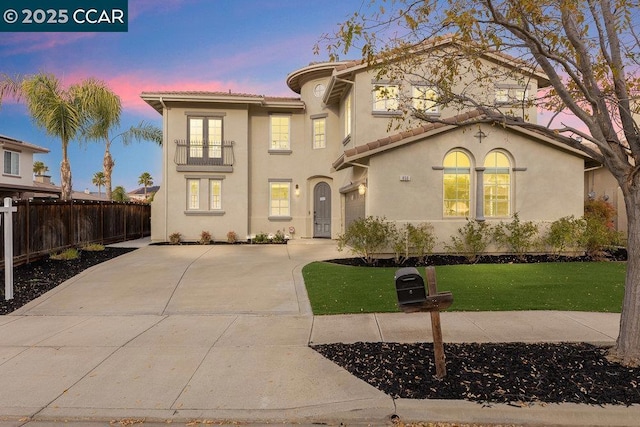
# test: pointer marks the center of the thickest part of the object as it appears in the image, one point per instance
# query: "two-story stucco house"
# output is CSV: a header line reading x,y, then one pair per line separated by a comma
x,y
311,164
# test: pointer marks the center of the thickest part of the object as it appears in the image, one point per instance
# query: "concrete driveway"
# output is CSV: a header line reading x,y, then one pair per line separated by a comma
x,y
176,334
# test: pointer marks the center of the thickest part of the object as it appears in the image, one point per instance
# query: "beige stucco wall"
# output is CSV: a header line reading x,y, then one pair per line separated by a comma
x,y
545,185
169,208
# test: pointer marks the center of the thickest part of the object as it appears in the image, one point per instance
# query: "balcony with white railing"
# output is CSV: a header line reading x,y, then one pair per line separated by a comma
x,y
211,156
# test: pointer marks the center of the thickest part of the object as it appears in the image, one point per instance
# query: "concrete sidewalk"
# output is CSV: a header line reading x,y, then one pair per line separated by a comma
x,y
176,334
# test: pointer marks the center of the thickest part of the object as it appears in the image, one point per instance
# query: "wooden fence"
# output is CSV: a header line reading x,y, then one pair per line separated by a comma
x,y
43,227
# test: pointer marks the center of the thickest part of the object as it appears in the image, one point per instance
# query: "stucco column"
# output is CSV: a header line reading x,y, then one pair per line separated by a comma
x,y
480,194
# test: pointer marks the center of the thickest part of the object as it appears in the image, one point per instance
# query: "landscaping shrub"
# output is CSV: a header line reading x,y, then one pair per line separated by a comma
x,y
472,240
279,237
232,237
205,238
175,238
412,240
366,237
599,232
564,234
516,236
66,255
94,247
260,238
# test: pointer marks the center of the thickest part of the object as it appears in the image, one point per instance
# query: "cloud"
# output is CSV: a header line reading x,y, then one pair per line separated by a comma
x,y
12,44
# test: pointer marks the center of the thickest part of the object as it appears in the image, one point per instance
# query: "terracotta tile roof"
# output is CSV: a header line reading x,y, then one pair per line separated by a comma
x,y
399,137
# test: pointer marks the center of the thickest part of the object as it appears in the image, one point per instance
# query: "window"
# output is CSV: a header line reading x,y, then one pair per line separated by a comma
x,y
215,194
279,199
511,95
497,185
11,163
193,194
385,98
319,133
205,138
424,99
347,116
457,184
280,133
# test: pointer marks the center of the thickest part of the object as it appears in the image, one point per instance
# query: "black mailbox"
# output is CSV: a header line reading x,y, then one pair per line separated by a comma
x,y
410,286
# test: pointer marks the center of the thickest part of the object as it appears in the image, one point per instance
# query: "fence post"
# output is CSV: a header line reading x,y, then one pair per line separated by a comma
x,y
7,212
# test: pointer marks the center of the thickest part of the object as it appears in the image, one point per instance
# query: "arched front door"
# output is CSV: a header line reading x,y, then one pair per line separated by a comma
x,y
322,210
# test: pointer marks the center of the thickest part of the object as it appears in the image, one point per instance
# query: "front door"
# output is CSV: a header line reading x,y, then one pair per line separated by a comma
x,y
322,210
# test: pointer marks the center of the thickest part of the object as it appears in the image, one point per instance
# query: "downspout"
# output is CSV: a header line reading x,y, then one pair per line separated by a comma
x,y
165,150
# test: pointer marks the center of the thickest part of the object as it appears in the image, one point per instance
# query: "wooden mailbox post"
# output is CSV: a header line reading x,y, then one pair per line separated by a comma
x,y
434,302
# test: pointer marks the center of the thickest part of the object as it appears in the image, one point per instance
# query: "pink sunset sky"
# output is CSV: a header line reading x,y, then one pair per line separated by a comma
x,y
244,46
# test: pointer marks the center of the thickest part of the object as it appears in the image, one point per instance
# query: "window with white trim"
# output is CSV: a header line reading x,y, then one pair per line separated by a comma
x,y
511,94
11,162
424,99
385,97
193,194
215,194
497,185
457,185
280,132
319,132
279,198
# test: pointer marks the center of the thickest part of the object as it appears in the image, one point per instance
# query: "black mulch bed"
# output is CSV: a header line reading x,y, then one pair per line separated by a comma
x,y
615,254
36,278
514,373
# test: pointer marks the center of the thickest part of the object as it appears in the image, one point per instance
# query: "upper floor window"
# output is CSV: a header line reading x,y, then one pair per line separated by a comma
x,y
497,185
347,116
319,132
279,198
385,98
511,94
11,162
280,132
205,137
424,99
457,185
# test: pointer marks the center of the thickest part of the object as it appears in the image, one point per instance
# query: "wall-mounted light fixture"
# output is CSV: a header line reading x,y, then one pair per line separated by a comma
x,y
362,189
297,191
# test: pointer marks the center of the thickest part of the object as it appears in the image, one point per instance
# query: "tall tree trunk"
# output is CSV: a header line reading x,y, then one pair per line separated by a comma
x,y
627,348
107,165
65,177
65,174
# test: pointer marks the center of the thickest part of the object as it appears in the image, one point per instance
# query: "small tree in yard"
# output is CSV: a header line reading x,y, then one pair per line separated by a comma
x,y
589,51
366,237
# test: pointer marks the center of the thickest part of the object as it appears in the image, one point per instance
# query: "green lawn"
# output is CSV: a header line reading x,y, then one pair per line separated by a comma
x,y
589,286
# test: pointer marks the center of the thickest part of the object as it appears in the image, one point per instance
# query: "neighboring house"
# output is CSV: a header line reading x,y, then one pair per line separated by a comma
x,y
16,180
310,165
138,194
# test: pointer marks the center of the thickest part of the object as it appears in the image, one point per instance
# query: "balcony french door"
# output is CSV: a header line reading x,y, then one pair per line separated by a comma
x,y
205,140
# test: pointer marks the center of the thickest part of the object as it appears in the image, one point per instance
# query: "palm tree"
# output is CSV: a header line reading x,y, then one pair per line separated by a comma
x,y
145,180
59,112
98,180
119,194
104,115
39,168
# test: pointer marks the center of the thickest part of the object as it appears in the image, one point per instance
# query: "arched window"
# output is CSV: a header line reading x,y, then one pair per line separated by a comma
x,y
457,184
497,185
